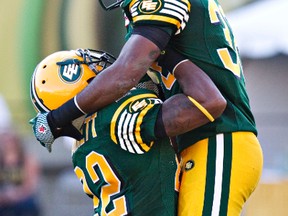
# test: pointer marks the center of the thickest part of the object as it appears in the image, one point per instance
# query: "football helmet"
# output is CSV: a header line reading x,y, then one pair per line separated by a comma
x,y
63,74
110,4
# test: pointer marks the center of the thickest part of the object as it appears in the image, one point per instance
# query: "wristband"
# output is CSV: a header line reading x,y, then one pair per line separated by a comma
x,y
66,113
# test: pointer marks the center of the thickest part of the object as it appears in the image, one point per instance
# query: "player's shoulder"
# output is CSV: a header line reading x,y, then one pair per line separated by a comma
x,y
132,123
175,12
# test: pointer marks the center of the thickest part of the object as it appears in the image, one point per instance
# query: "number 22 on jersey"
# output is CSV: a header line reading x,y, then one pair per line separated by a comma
x,y
109,189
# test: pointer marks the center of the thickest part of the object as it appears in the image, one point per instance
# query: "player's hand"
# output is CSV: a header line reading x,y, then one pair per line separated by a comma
x,y
46,131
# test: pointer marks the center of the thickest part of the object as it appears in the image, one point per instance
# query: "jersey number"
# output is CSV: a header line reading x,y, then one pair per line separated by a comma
x,y
168,80
217,16
109,190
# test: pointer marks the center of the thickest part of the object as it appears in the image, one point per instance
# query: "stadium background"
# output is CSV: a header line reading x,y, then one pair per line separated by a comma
x,y
32,29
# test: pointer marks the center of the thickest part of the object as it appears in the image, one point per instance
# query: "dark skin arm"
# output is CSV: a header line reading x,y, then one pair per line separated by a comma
x,y
131,65
179,114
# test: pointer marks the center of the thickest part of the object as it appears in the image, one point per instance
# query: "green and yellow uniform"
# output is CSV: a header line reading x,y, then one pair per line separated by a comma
x,y
121,165
221,161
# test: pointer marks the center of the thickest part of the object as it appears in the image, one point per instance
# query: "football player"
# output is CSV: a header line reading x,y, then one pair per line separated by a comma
x,y
118,162
122,165
215,178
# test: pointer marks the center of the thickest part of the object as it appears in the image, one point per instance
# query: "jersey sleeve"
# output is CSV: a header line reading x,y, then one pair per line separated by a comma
x,y
164,13
132,125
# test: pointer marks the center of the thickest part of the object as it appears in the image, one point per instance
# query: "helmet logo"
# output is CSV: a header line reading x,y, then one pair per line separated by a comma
x,y
70,72
149,6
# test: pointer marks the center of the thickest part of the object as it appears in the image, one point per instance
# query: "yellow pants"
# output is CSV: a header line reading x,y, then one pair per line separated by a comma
x,y
219,174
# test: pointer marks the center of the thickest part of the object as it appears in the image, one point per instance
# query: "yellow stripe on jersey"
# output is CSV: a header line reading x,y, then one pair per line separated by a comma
x,y
157,18
131,4
116,114
187,3
137,131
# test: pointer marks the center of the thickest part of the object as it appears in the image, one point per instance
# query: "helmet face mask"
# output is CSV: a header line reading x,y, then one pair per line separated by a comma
x,y
62,75
97,60
110,4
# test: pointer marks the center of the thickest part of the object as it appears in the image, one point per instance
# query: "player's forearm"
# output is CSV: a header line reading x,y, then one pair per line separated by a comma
x,y
134,60
200,103
105,89
182,113
179,115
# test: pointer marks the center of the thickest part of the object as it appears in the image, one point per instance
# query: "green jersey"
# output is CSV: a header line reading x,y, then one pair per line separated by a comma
x,y
201,33
121,165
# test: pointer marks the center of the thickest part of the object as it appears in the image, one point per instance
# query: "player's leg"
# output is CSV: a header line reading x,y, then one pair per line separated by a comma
x,y
193,179
219,174
246,170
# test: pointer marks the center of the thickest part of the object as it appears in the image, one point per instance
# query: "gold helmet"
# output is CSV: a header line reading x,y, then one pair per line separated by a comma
x,y
63,74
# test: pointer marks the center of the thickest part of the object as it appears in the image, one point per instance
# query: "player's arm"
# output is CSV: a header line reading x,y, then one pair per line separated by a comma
x,y
132,64
201,102
134,60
